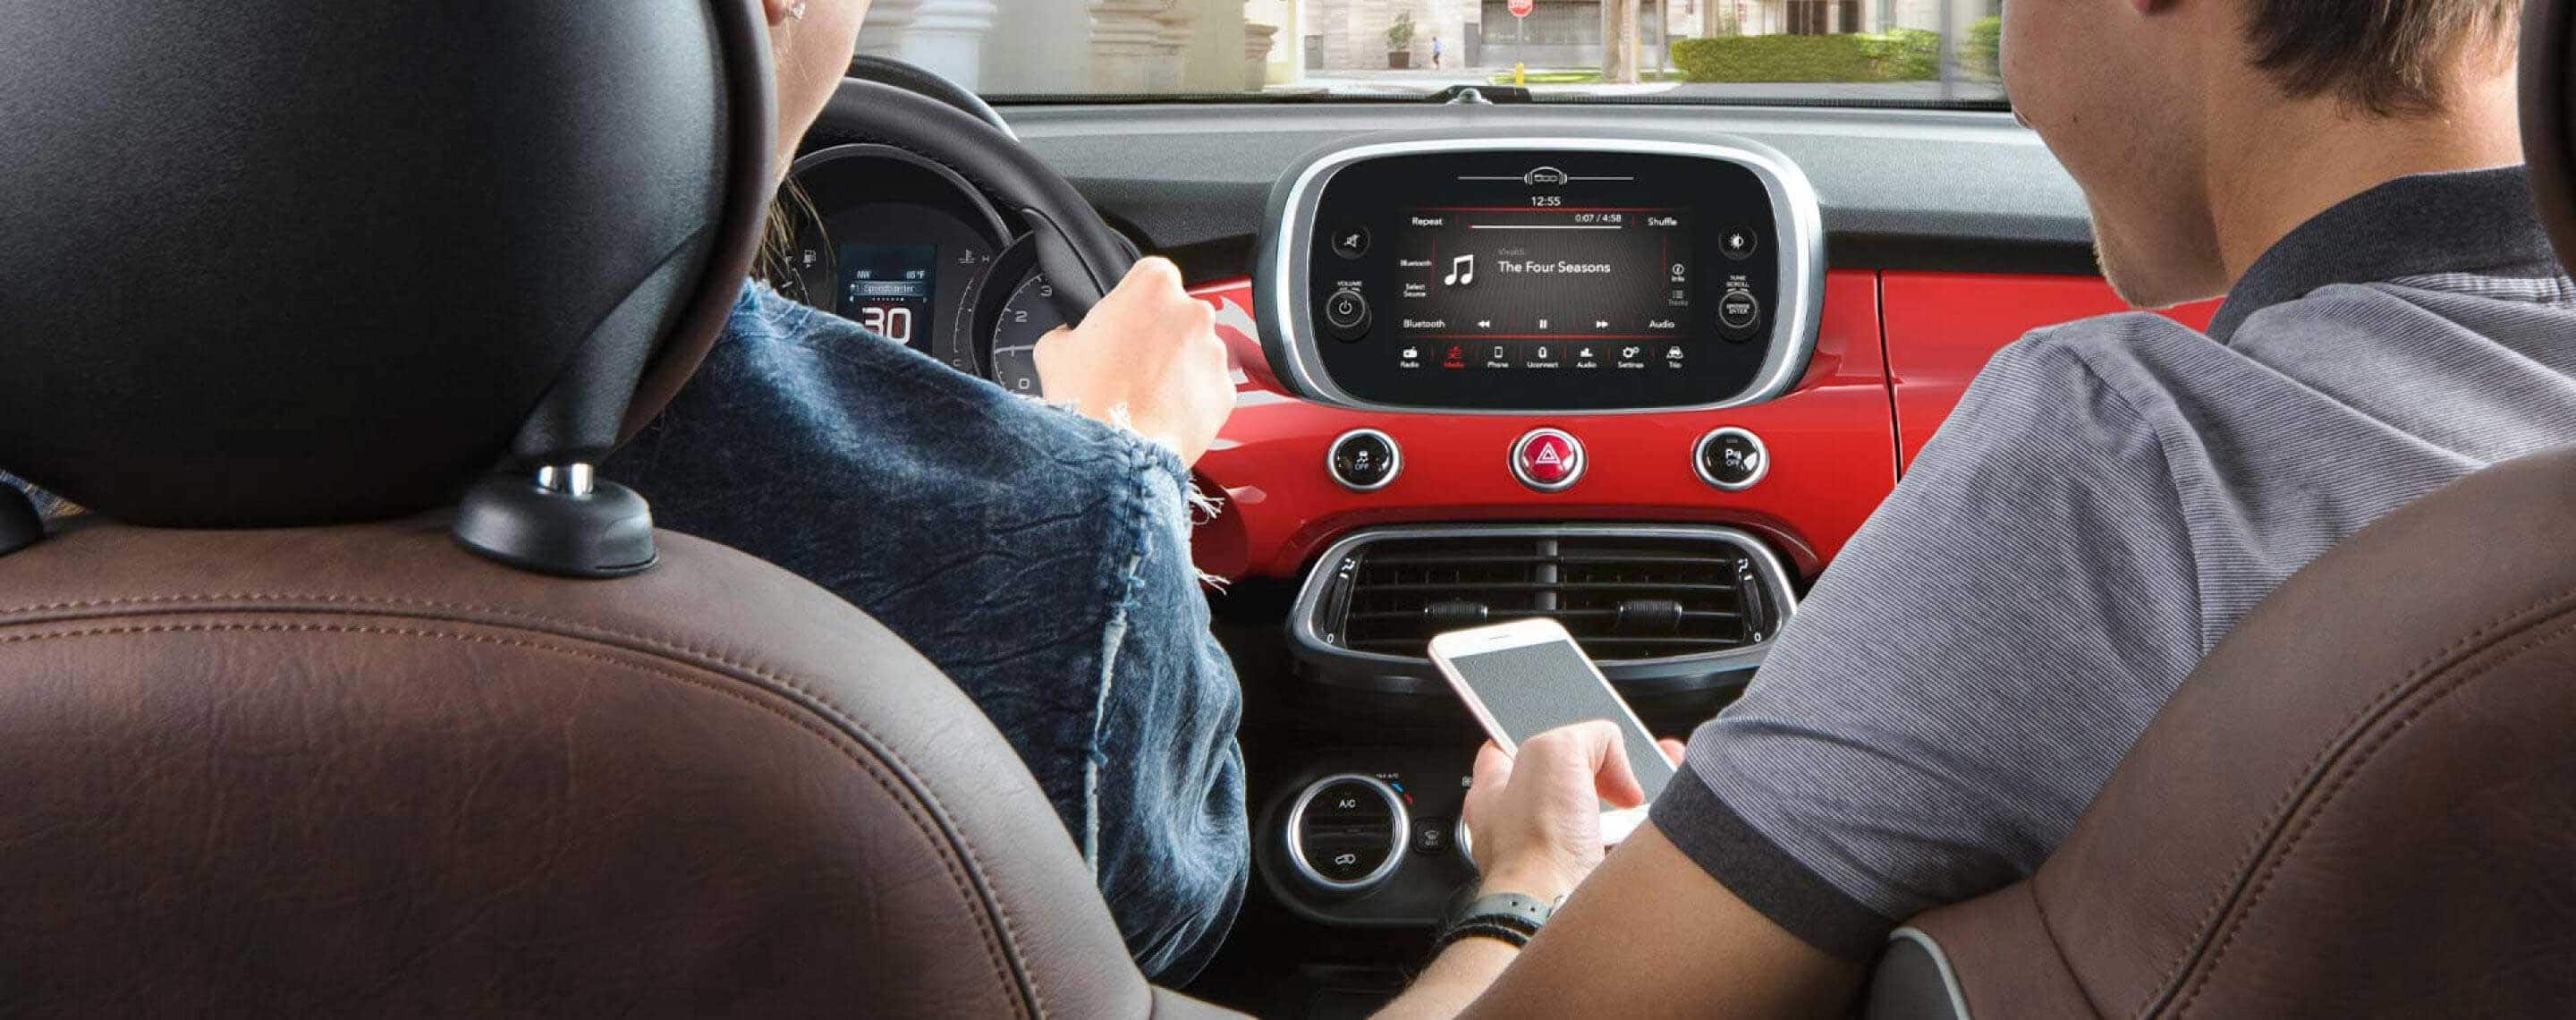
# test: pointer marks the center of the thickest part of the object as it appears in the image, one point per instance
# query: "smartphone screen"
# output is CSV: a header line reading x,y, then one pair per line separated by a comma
x,y
1531,689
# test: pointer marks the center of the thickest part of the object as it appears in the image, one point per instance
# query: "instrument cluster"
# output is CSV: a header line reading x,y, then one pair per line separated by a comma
x,y
914,253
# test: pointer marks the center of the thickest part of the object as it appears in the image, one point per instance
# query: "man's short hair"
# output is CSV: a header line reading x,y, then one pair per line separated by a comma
x,y
2391,57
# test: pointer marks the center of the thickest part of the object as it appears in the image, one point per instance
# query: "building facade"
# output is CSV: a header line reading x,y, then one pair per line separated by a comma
x,y
1007,47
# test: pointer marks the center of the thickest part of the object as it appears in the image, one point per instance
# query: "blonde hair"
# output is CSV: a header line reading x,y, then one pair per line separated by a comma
x,y
778,234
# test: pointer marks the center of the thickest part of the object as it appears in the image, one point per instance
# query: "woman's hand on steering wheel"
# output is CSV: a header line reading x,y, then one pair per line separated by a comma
x,y
1146,359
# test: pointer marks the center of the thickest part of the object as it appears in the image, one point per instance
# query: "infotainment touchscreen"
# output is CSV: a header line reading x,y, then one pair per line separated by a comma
x,y
1543,279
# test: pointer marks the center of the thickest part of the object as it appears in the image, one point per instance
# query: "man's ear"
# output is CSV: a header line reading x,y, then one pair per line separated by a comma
x,y
776,11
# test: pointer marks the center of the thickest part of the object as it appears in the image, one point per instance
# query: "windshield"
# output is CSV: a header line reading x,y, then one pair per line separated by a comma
x,y
1860,52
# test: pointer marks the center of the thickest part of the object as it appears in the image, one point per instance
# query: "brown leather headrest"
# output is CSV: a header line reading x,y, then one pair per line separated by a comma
x,y
2545,85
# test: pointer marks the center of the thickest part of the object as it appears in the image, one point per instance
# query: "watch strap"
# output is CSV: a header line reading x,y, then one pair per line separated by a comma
x,y
1509,936
1523,914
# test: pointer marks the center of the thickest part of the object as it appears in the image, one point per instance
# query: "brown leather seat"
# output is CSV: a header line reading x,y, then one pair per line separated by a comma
x,y
284,281
359,771
2360,804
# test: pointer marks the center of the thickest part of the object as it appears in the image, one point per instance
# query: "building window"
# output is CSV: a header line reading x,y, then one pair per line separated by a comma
x,y
1824,17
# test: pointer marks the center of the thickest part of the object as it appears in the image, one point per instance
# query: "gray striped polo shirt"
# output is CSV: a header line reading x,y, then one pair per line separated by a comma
x,y
2108,500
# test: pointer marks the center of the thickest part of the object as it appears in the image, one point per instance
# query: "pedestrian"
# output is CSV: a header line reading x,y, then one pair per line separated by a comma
x,y
1435,50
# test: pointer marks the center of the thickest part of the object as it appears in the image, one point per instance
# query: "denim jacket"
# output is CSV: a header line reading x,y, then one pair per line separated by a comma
x,y
1040,558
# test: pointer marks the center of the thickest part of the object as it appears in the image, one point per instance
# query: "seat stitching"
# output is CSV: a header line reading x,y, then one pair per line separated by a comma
x,y
2048,933
2325,798
958,881
1010,925
2173,969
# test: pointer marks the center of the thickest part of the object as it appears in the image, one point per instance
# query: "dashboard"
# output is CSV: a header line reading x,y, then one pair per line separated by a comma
x,y
1641,370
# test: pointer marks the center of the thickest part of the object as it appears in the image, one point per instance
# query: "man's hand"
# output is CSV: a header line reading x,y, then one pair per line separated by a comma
x,y
1146,358
1650,935
1536,818
1536,822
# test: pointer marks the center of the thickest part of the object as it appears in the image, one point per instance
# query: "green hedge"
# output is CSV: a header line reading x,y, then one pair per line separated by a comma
x,y
1906,54
1983,52
1901,55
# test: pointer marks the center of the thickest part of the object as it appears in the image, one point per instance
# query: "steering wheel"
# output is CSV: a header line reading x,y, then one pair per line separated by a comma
x,y
1081,256
901,74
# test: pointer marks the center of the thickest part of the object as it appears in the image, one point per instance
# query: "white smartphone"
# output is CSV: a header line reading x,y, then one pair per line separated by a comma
x,y
1527,677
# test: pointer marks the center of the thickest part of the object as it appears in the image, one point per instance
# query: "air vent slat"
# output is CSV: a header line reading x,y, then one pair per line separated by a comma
x,y
1440,559
1369,587
1451,559
1419,648
1565,616
1598,641
1624,596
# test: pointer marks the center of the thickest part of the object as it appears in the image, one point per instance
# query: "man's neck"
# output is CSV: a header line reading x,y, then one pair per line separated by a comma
x,y
2272,164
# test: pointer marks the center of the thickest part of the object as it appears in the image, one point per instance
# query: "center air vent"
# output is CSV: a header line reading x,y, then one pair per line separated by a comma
x,y
1625,593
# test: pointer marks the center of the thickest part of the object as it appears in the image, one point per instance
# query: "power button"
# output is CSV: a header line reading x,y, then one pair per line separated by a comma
x,y
1347,313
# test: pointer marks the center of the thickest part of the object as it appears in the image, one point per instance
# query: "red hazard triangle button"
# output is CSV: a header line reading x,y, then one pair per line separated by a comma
x,y
1548,460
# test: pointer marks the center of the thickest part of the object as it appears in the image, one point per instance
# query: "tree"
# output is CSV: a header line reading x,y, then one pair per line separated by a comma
x,y
1619,35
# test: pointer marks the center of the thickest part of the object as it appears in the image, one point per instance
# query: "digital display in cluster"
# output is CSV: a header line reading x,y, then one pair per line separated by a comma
x,y
890,289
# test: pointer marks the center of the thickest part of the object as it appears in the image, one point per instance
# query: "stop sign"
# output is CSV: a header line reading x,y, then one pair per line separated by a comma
x,y
1522,8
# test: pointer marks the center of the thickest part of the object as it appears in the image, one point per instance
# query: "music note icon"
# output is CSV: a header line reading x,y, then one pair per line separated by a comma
x,y
1462,272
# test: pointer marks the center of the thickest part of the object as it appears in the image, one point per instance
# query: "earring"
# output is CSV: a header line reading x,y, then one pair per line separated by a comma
x,y
797,10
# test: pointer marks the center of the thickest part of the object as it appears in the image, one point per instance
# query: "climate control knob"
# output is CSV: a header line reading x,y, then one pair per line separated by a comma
x,y
1346,833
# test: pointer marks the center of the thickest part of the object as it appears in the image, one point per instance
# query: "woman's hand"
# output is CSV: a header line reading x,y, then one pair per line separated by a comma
x,y
1147,359
1536,817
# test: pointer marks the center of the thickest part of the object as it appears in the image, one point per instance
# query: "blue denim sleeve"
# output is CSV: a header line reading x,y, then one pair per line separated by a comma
x,y
1040,558
46,503
1166,774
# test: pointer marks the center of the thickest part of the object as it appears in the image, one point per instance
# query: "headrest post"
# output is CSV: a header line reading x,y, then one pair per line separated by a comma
x,y
563,521
569,480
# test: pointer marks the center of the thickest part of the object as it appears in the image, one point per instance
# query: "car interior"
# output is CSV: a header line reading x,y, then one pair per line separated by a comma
x,y
278,743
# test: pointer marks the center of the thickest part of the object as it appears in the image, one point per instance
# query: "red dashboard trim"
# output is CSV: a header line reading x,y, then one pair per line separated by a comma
x,y
1894,351
1831,443
1942,328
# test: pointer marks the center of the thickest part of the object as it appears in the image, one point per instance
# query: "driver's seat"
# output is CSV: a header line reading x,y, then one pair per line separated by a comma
x,y
279,736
